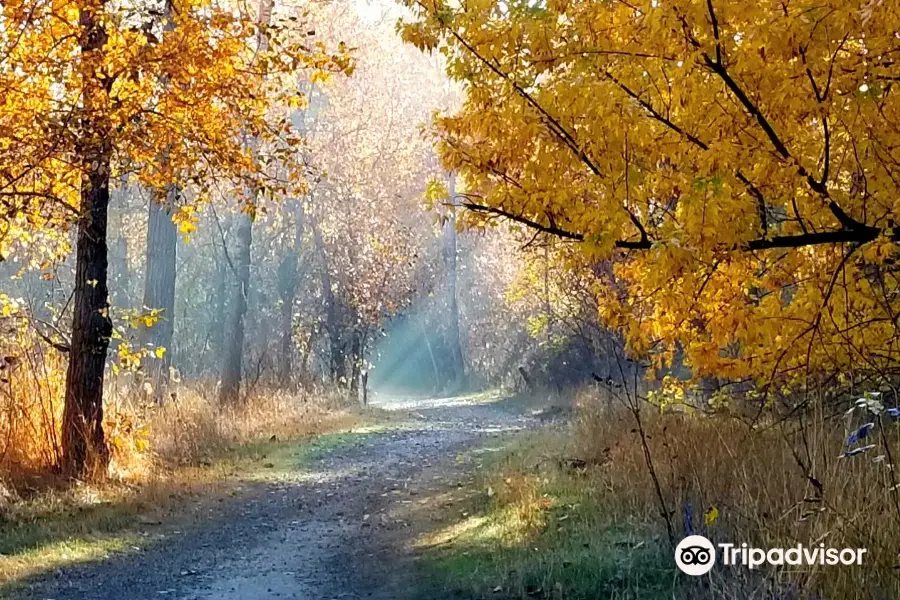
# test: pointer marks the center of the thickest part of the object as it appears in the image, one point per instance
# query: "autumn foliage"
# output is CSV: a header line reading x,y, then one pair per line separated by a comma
x,y
735,163
97,91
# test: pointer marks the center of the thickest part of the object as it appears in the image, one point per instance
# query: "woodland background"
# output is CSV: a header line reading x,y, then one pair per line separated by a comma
x,y
228,222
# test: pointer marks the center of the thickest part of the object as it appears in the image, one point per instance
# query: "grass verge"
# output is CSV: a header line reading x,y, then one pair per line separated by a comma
x,y
64,525
538,529
574,513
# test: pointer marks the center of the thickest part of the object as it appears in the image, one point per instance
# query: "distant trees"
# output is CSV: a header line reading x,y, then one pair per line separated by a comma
x,y
159,280
330,263
161,244
97,93
457,363
281,236
364,213
288,282
234,325
230,390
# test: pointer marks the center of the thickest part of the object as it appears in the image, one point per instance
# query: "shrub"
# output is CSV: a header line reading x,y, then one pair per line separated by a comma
x,y
794,480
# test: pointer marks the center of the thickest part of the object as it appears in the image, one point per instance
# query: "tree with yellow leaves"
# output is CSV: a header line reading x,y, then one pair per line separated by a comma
x,y
737,162
96,90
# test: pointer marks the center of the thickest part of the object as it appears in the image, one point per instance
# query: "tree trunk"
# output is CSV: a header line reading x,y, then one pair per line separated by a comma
x,y
355,364
287,289
450,251
230,392
234,347
159,273
304,356
287,271
338,364
217,336
434,365
84,445
365,389
337,370
159,283
119,275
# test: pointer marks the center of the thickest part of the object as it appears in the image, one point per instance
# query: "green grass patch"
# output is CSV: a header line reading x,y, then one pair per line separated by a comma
x,y
536,530
66,529
71,527
287,457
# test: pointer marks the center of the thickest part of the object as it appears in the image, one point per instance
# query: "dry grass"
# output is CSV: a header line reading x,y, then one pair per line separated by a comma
x,y
32,385
531,528
572,513
193,428
753,479
143,437
163,459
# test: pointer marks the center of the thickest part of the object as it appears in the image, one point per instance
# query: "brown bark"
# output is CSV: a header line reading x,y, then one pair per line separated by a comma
x,y
84,444
529,385
338,365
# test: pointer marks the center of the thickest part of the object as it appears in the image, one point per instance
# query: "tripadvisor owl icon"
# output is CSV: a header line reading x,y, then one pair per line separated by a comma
x,y
695,555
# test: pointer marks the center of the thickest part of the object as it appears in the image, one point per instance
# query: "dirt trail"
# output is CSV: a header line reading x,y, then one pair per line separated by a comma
x,y
337,529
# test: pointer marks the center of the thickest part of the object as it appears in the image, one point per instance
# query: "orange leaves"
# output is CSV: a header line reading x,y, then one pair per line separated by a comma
x,y
175,97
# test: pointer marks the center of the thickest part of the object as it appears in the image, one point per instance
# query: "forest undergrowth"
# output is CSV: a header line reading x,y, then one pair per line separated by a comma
x,y
572,512
162,458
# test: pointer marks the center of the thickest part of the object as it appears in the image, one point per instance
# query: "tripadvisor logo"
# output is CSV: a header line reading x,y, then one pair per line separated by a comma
x,y
696,555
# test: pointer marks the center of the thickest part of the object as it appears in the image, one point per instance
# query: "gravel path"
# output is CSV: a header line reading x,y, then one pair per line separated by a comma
x,y
340,528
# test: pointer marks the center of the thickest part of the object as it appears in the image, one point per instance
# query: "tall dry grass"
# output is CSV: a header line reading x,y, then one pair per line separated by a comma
x,y
32,388
773,486
193,427
145,440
